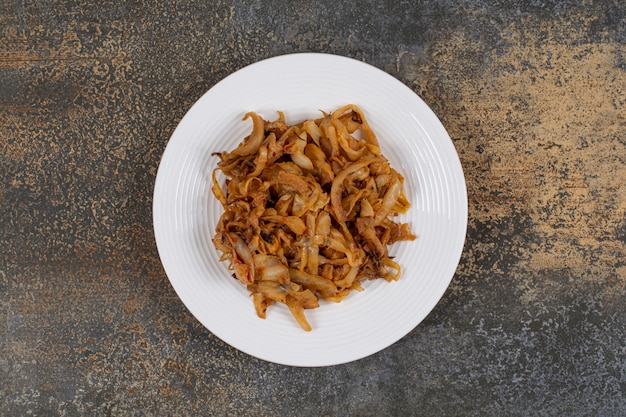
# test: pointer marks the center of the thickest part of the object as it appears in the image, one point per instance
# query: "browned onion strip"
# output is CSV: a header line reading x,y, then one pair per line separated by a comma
x,y
337,187
308,210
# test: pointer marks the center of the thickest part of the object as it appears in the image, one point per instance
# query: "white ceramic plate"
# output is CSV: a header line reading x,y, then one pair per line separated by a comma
x,y
411,137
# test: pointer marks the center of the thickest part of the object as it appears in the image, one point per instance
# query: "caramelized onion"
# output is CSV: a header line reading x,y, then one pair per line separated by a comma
x,y
308,210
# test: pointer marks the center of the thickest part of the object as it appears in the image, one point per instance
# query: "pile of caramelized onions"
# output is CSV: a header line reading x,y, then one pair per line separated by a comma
x,y
308,210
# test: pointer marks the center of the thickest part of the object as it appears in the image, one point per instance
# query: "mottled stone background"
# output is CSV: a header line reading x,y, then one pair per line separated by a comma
x,y
533,94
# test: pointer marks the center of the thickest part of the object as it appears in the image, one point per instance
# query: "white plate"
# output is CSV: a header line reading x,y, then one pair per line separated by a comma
x,y
411,137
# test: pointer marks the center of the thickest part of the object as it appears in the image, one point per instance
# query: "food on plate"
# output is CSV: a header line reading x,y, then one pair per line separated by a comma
x,y
308,210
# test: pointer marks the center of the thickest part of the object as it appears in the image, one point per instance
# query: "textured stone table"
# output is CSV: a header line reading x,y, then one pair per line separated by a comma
x,y
533,95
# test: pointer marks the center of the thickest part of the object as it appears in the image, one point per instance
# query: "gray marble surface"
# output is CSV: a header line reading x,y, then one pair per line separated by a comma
x,y
533,94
